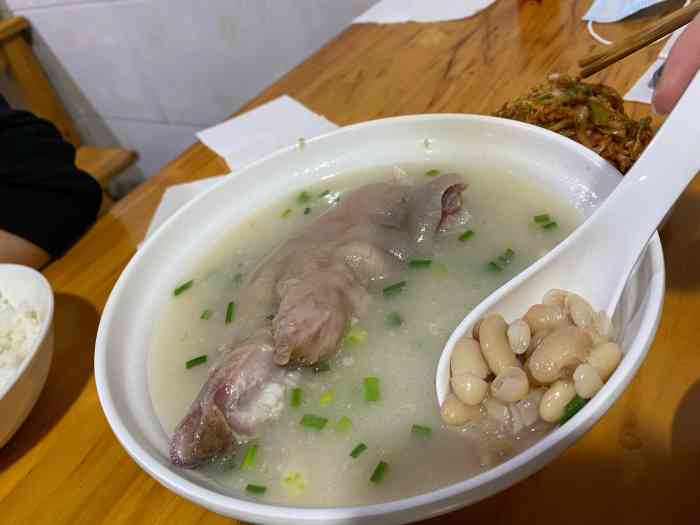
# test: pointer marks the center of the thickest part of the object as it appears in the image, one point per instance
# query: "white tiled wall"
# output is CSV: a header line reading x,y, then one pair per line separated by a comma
x,y
147,74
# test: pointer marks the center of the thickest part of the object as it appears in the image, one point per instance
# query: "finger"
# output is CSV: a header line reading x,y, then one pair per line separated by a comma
x,y
682,65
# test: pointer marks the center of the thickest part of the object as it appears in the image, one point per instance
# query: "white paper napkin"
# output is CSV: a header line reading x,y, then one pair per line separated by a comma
x,y
243,139
642,90
175,197
393,11
267,128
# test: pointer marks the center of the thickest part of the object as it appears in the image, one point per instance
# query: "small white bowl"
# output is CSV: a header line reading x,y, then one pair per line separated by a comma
x,y
484,144
17,398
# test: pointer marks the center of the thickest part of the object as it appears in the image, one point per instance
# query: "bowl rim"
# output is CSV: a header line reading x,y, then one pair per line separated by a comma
x,y
43,329
578,425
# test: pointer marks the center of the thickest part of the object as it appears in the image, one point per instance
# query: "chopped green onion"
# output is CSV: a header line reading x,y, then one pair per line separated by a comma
x,y
301,141
343,424
394,289
303,197
286,213
599,114
296,397
238,278
539,219
359,449
256,489
294,481
432,173
206,315
379,472
356,335
507,257
196,361
307,211
394,319
572,407
324,193
466,235
420,263
314,422
183,287
371,387
249,458
422,431
493,267
550,225
326,398
323,366
230,312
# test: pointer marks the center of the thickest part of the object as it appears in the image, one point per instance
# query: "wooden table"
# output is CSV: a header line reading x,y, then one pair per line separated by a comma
x,y
637,465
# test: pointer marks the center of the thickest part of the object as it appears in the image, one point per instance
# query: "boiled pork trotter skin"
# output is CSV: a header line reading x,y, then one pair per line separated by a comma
x,y
296,306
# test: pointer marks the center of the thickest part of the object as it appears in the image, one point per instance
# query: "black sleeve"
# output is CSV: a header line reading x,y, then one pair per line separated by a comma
x,y
44,198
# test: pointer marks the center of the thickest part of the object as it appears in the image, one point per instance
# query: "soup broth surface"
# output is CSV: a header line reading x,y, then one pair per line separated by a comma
x,y
303,467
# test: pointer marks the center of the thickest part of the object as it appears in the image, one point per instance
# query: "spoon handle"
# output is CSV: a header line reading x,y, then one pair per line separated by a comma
x,y
632,213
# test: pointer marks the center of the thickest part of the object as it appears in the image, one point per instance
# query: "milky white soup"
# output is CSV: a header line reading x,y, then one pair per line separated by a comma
x,y
399,343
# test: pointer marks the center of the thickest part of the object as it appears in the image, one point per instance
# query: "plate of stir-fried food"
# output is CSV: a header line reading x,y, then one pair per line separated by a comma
x,y
591,114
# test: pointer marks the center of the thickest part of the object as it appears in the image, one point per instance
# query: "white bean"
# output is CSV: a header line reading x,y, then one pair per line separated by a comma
x,y
604,359
494,344
587,381
454,412
555,400
542,317
469,388
603,325
475,329
579,310
519,336
497,410
529,407
595,337
510,385
467,358
555,297
559,353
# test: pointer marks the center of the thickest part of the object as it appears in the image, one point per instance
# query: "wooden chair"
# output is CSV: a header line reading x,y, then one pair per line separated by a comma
x,y
17,58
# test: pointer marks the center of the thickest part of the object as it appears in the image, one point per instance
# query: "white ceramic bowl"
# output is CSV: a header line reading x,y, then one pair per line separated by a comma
x,y
17,398
481,143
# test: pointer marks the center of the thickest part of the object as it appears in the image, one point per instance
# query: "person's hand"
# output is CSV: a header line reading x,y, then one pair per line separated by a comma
x,y
682,65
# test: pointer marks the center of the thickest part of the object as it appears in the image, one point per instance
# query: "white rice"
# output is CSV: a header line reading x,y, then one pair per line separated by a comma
x,y
19,327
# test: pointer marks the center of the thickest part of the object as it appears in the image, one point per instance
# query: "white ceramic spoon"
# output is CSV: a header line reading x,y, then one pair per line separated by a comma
x,y
598,257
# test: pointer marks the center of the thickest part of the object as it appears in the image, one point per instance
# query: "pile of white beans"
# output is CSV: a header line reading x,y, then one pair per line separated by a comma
x,y
530,369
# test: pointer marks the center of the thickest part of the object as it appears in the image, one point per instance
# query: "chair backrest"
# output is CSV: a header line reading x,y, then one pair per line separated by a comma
x,y
17,57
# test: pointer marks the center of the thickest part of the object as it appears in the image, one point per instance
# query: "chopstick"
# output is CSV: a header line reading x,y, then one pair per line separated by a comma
x,y
666,25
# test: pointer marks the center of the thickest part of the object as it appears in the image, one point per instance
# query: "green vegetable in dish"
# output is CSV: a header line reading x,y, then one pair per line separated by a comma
x,y
183,287
394,319
466,235
379,471
394,289
359,449
371,388
420,263
343,424
572,407
421,431
313,422
230,312
196,361
295,400
249,457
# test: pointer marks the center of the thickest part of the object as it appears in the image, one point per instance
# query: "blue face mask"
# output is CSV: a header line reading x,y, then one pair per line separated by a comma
x,y
614,10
